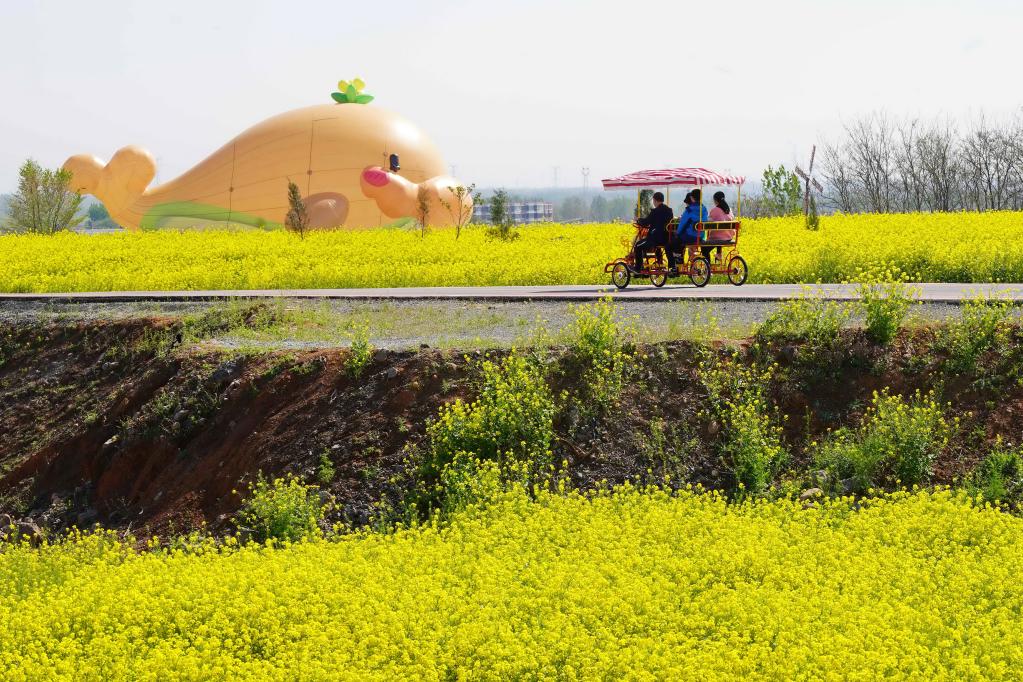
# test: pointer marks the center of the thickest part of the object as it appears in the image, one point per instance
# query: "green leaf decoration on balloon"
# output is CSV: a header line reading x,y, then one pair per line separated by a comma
x,y
351,92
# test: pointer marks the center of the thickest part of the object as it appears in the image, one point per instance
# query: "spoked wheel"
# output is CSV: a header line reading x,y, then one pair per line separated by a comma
x,y
737,270
620,275
659,279
699,271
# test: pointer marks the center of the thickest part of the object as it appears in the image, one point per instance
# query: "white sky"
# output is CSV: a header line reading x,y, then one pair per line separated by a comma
x,y
508,89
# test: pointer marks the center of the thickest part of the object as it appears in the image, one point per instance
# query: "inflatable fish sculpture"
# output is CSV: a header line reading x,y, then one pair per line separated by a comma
x,y
355,166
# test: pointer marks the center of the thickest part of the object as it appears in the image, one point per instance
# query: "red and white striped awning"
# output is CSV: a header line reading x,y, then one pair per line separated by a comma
x,y
670,177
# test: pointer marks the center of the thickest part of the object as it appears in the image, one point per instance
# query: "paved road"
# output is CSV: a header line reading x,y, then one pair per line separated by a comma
x,y
938,293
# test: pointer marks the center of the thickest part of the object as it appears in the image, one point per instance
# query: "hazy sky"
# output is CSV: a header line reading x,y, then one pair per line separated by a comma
x,y
508,90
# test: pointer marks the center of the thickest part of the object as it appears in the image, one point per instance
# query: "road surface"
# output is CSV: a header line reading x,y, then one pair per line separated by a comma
x,y
936,293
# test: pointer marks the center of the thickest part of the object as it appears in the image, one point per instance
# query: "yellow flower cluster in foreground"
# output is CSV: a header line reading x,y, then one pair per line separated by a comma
x,y
955,247
638,585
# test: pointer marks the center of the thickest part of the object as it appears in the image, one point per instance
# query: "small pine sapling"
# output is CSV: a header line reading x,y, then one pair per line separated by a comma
x,y
297,219
422,209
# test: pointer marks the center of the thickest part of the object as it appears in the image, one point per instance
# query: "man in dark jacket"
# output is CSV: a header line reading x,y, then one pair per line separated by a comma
x,y
657,223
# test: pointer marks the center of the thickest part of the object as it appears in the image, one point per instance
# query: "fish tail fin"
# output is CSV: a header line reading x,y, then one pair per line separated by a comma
x,y
118,184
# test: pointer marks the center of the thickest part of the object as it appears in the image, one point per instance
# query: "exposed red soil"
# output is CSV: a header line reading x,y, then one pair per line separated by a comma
x,y
77,428
95,427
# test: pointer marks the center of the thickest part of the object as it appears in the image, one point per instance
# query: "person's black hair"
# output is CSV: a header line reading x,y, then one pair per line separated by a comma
x,y
689,198
720,198
658,197
696,195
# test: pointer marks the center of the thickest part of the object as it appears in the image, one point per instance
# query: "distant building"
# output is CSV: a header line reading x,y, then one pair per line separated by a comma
x,y
518,212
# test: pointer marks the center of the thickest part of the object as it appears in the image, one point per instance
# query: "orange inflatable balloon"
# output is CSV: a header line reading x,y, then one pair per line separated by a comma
x,y
339,155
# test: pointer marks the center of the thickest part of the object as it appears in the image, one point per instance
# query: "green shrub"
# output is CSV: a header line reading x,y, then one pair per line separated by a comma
x,y
999,476
895,444
751,439
885,299
284,509
326,471
983,325
601,350
809,318
222,318
511,423
360,350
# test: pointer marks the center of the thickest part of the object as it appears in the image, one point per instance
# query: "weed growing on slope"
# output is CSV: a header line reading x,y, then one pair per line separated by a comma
x,y
895,444
999,476
983,325
601,352
176,410
154,342
360,350
751,438
326,470
885,298
510,423
667,447
282,509
224,317
809,318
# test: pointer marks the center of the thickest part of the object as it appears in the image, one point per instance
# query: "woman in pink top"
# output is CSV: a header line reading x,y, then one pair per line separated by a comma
x,y
720,213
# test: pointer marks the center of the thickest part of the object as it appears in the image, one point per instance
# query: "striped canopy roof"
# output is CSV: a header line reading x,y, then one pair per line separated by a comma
x,y
672,176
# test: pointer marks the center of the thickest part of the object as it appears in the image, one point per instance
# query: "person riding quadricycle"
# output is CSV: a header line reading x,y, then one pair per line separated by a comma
x,y
692,245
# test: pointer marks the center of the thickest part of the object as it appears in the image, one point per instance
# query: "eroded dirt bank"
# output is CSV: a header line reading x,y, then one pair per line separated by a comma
x,y
117,423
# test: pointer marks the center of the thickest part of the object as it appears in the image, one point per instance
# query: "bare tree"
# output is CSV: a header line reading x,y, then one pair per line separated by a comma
x,y
839,187
871,150
1015,150
907,162
939,159
461,208
752,206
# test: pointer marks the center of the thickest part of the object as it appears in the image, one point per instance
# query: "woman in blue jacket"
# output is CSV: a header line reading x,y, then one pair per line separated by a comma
x,y
694,213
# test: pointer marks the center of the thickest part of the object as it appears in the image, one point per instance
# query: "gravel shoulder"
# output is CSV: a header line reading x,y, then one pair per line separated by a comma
x,y
400,324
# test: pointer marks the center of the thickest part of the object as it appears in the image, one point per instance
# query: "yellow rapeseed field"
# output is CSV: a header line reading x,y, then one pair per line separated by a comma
x,y
953,247
631,585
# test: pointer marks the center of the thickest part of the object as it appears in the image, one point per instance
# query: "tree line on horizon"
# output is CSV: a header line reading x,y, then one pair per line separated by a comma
x,y
883,164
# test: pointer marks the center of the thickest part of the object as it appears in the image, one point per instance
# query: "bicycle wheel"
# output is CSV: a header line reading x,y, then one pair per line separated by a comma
x,y
699,271
737,270
620,275
659,280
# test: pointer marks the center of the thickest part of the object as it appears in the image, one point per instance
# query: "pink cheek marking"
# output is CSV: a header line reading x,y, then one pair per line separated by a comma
x,y
375,177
